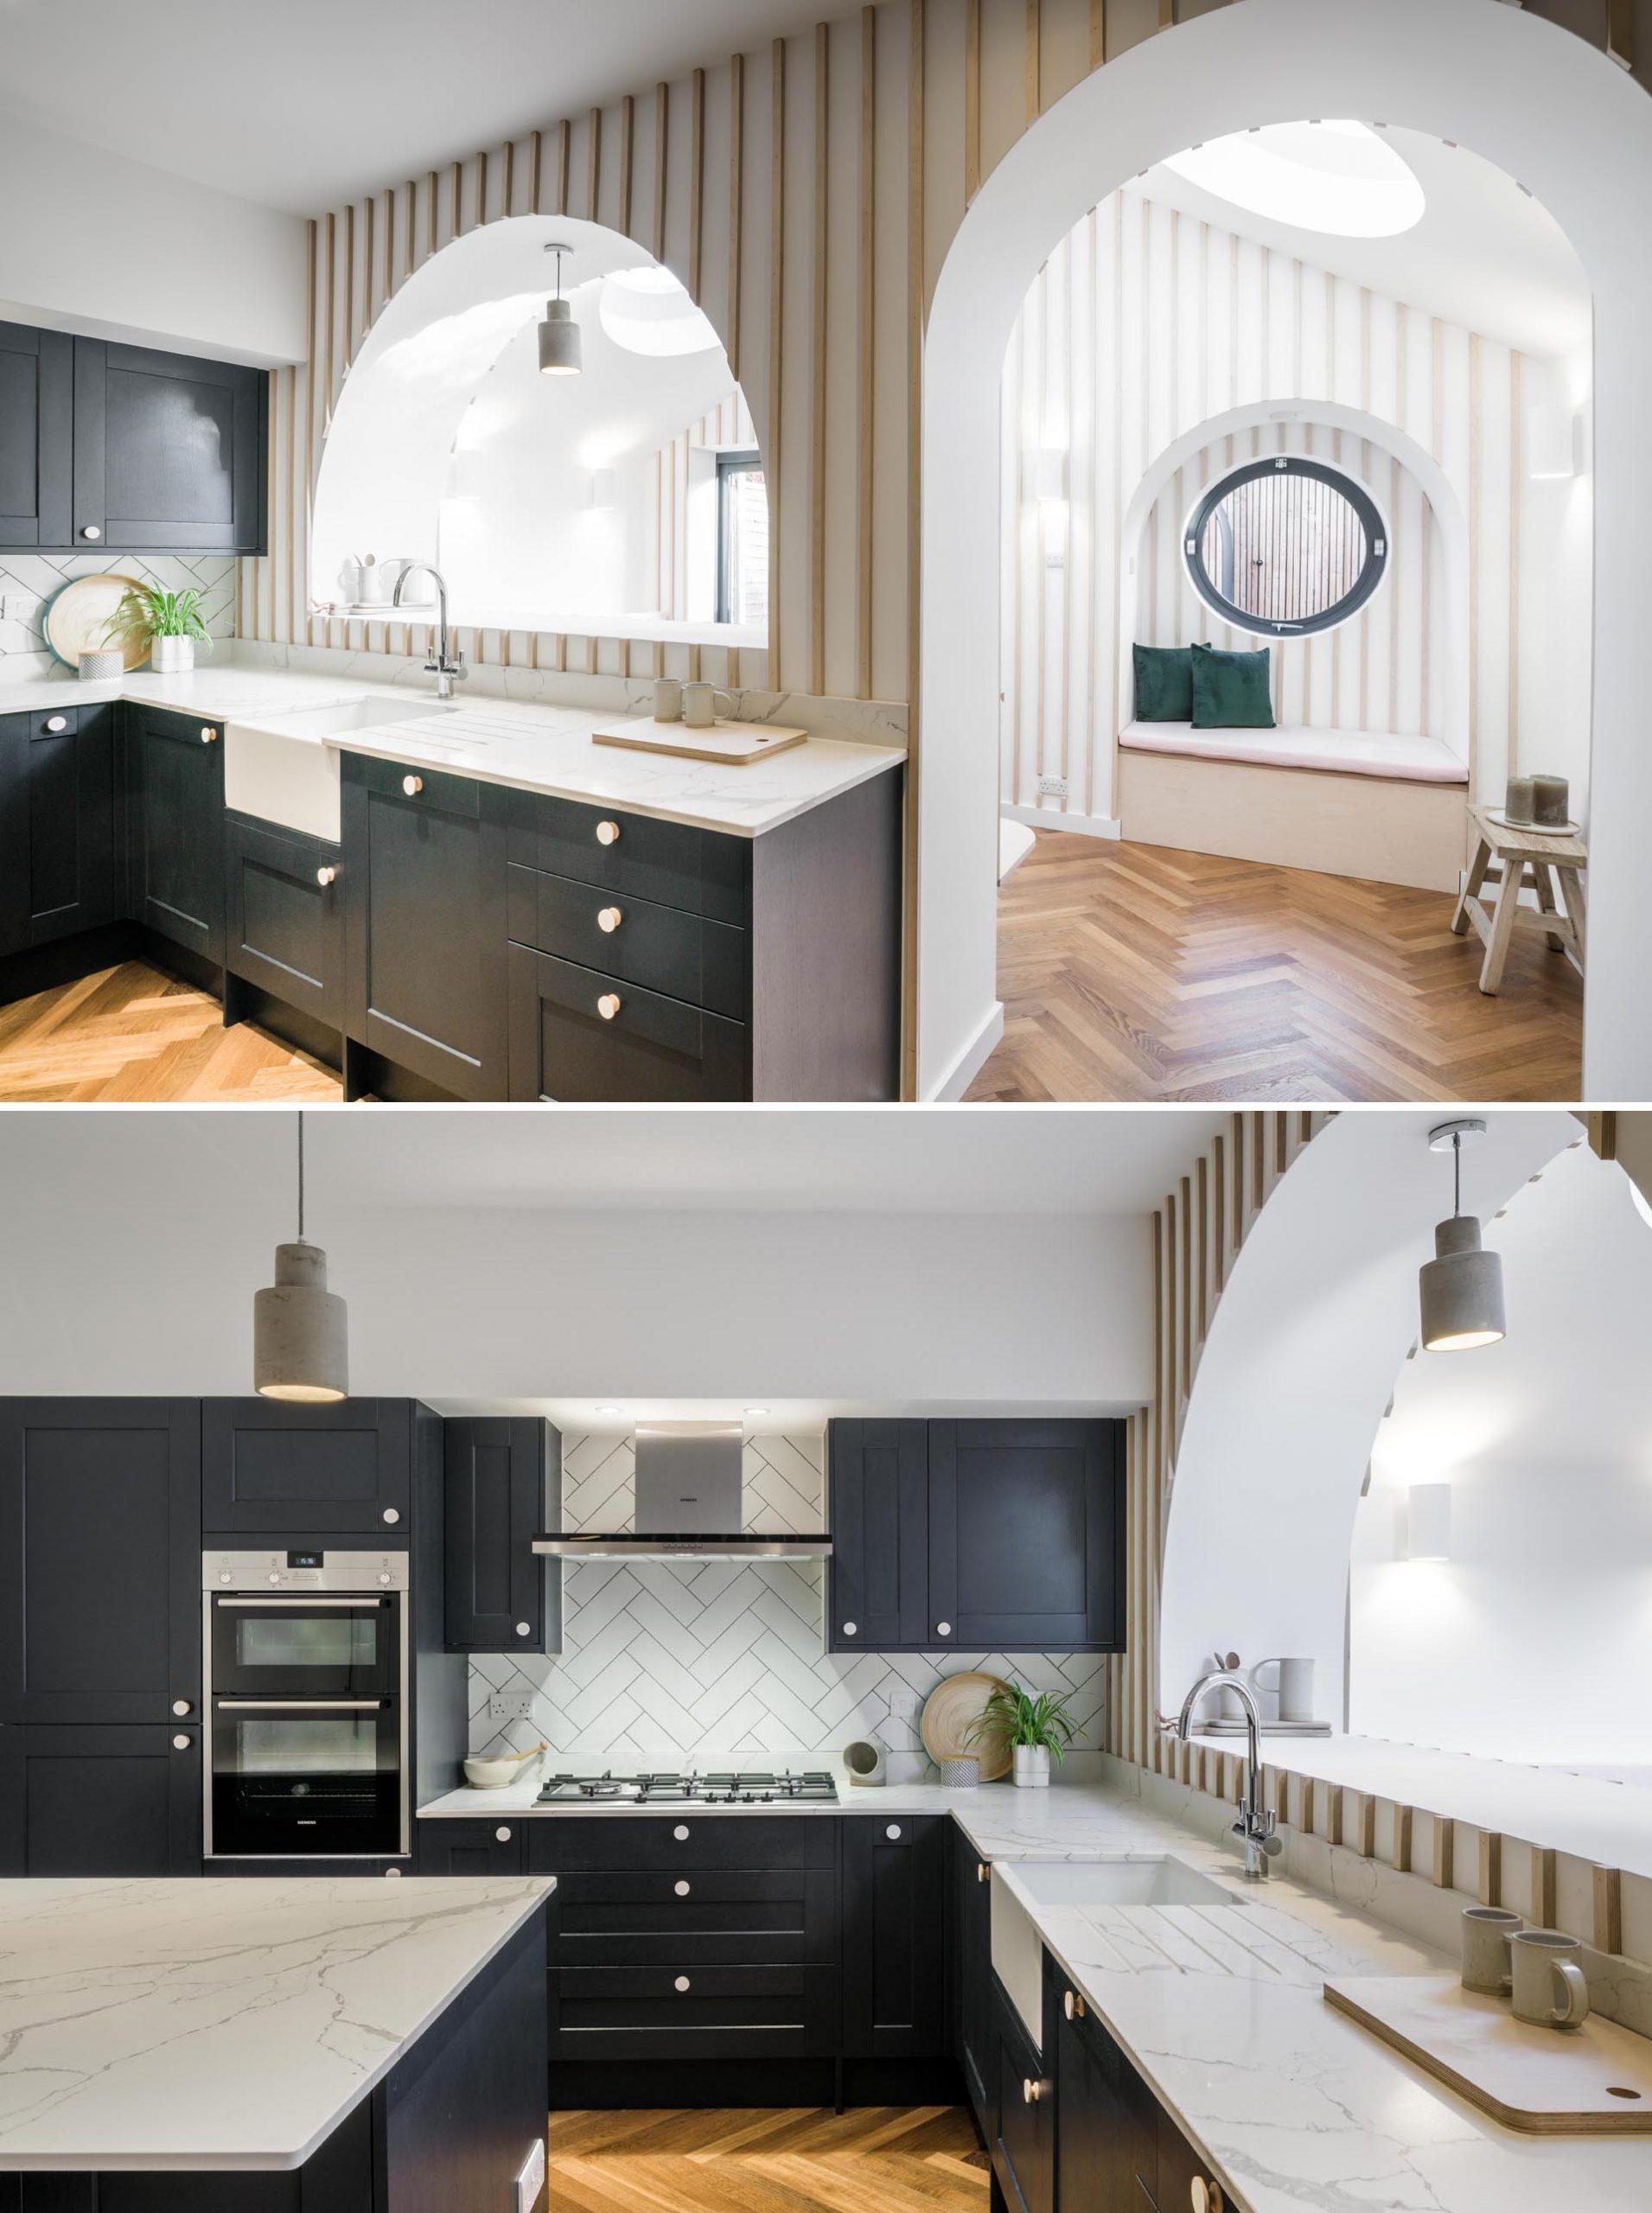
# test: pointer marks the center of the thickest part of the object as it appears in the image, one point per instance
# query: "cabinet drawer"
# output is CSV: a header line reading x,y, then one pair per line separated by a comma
x,y
432,788
54,722
479,1847
284,926
782,2011
626,1917
702,872
649,1050
662,948
271,1468
697,1839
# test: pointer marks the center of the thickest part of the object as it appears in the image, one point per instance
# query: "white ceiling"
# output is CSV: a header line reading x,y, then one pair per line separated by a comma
x,y
1485,256
308,103
1035,1161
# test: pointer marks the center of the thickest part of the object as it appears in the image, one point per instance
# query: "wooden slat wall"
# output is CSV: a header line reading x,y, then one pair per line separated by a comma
x,y
1197,1235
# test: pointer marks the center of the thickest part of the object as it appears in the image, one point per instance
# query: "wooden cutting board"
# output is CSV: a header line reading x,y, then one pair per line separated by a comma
x,y
954,1704
731,745
1591,2081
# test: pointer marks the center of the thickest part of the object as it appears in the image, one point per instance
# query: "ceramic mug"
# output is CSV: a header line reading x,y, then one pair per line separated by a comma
x,y
1546,1976
1486,1933
699,704
1293,1686
667,700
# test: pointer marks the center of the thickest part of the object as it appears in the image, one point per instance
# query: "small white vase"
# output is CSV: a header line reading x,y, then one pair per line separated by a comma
x,y
1031,1767
171,656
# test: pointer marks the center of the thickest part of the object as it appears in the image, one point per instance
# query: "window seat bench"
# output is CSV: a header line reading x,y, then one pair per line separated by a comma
x,y
1349,753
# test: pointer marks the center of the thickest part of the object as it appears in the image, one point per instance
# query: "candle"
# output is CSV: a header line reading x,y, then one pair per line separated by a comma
x,y
1517,806
1550,802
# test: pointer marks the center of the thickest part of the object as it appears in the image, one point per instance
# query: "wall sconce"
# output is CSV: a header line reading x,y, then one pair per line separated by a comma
x,y
602,488
1428,1521
1553,442
1049,487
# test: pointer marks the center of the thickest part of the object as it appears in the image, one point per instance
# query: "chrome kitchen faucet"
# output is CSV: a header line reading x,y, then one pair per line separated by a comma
x,y
1254,1828
446,668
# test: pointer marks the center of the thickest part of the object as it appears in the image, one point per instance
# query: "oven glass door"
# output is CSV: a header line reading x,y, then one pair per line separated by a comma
x,y
311,1647
318,1777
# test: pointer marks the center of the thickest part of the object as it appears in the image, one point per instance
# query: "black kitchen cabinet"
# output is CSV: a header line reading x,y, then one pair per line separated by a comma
x,y
976,1536
1026,1535
503,1485
57,823
424,898
894,1936
467,1847
1106,2120
970,1966
878,1510
284,918
1022,2143
100,1561
1184,2182
36,436
170,452
86,1800
175,828
271,1468
581,1036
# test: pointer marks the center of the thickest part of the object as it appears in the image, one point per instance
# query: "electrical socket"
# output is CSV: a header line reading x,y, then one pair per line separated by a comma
x,y
905,1704
511,1706
1052,787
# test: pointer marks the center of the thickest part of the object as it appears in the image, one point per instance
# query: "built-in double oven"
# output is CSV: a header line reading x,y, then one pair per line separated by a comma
x,y
306,1702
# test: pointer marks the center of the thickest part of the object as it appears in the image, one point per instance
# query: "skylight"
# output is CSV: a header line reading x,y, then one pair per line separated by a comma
x,y
1339,178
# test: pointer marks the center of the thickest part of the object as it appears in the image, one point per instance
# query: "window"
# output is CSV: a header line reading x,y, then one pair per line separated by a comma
x,y
1286,546
742,540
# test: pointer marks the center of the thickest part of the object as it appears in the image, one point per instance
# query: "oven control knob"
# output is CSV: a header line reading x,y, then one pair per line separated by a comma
x,y
393,1514
383,1578
181,1707
180,1743
680,1832
273,1576
503,1835
224,1576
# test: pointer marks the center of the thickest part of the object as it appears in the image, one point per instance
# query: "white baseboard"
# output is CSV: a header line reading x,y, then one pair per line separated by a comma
x,y
973,1058
1048,818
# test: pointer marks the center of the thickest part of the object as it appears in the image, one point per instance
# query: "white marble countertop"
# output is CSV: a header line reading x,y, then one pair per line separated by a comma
x,y
1220,2009
526,744
222,2024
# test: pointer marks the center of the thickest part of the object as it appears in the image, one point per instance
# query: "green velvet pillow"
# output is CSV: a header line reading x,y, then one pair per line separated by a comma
x,y
1164,684
1230,691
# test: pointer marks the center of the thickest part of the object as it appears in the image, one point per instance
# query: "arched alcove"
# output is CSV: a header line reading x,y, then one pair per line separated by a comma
x,y
1523,95
585,503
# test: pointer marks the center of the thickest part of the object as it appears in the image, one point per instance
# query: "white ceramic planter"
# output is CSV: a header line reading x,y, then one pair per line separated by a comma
x,y
1032,1768
171,656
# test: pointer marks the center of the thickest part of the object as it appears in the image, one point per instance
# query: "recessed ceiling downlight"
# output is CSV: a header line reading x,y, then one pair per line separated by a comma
x,y
646,311
1339,178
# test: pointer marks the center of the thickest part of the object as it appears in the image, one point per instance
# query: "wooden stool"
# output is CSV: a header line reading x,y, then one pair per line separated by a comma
x,y
1511,858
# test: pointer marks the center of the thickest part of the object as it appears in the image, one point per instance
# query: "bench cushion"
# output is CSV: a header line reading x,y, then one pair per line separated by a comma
x,y
1349,752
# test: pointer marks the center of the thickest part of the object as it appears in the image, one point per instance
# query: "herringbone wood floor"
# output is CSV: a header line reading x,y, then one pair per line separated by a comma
x,y
873,2159
1135,972
131,1033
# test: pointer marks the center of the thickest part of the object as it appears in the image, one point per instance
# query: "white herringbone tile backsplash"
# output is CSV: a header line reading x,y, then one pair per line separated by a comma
x,y
28,581
666,1662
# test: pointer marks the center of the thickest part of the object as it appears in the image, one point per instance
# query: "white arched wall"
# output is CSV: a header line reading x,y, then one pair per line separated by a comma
x,y
1313,1324
1531,98
1324,414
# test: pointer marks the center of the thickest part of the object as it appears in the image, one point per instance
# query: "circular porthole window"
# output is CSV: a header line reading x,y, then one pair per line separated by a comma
x,y
1285,546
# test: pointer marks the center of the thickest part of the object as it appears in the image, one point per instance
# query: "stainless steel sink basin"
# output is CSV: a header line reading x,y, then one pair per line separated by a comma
x,y
279,767
1122,1882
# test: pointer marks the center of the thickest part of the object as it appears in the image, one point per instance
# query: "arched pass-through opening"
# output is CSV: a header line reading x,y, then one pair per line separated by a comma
x,y
1532,100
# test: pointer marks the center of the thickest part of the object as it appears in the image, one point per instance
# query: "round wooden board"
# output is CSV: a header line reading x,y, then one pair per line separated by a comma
x,y
949,1712
75,617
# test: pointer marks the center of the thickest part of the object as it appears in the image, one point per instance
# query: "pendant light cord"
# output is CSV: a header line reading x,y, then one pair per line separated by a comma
x,y
1457,1172
301,1176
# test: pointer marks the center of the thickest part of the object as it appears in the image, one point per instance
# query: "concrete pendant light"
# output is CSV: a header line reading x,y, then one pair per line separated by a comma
x,y
1461,1286
560,340
299,1325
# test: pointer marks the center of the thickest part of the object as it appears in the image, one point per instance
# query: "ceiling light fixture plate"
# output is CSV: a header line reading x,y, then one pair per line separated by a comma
x,y
1444,1134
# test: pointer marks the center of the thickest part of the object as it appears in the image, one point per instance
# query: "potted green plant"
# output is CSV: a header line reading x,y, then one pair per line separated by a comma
x,y
170,623
1038,1728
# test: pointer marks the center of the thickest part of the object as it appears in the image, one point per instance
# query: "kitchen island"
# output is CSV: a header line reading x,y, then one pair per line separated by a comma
x,y
340,2046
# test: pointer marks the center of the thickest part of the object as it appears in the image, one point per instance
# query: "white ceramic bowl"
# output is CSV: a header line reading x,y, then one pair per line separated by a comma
x,y
493,1775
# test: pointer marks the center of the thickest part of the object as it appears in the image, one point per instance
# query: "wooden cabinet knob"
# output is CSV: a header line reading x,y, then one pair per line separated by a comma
x,y
681,1889
392,1871
681,1983
607,833
180,1743
412,786
181,1707
55,723
680,1832
524,1629
893,1832
326,875
208,735
393,1514
503,1835
1203,2196
943,1629
1073,2005
1033,2093
608,1005
609,919
91,530
983,1871
851,1628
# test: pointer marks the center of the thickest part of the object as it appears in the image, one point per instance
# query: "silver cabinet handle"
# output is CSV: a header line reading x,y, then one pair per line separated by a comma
x,y
180,1744
327,875
91,530
681,1889
208,735
524,1629
412,786
943,1629
680,1832
393,1514
608,1005
55,723
893,1832
851,1628
607,833
300,1705
681,1983
503,1835
609,919
1073,2005
224,1604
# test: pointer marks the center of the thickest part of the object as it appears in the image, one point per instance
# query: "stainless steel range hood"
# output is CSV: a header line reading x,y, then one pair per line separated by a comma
x,y
688,1503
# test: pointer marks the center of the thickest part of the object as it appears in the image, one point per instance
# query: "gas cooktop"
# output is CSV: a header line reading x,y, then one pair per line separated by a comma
x,y
745,1787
